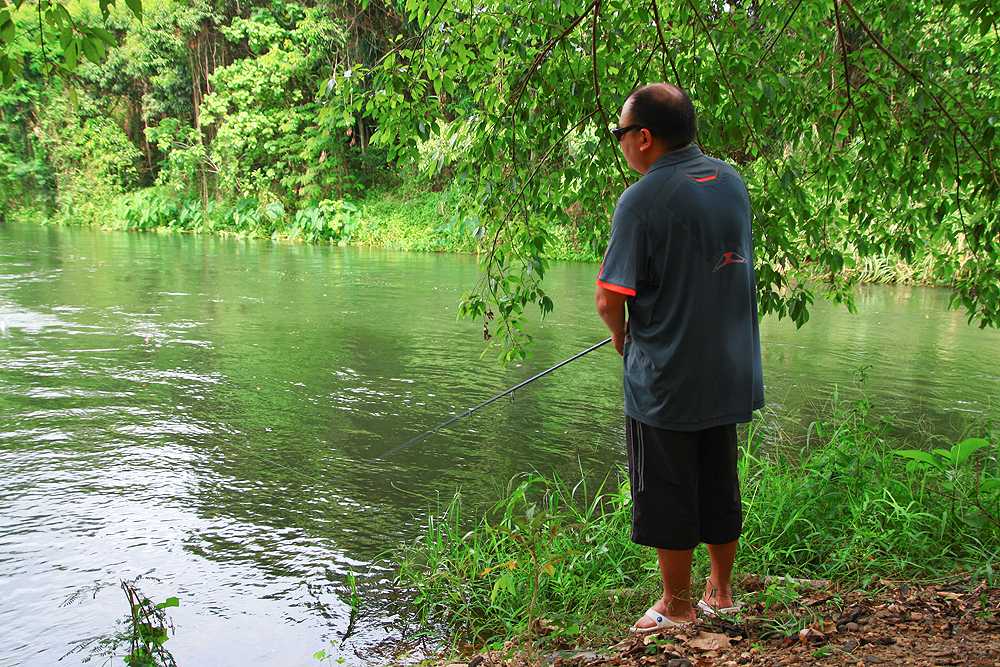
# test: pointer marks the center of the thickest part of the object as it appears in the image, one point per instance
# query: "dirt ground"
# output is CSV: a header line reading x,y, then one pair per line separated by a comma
x,y
898,624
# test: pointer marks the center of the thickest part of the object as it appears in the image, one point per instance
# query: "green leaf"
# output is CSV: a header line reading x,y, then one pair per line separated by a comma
x,y
90,50
169,602
7,30
917,455
136,7
963,450
104,35
71,54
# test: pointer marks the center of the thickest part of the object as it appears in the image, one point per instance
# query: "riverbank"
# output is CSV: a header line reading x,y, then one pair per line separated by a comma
x,y
550,568
407,217
394,218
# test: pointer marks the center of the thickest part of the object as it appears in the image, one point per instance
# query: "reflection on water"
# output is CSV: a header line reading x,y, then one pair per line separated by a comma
x,y
210,412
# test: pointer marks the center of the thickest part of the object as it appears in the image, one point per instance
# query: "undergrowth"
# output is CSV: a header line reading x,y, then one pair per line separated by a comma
x,y
849,506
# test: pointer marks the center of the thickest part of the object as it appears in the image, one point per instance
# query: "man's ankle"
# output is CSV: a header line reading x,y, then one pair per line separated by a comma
x,y
679,609
715,593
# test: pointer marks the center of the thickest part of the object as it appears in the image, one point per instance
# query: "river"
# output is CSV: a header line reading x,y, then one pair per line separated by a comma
x,y
209,412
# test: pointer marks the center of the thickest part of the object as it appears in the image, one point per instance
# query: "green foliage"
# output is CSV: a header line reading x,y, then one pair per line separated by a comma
x,y
409,219
52,22
840,507
267,139
329,220
93,160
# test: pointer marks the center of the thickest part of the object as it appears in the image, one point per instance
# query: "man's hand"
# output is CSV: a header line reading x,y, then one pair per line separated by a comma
x,y
611,308
618,340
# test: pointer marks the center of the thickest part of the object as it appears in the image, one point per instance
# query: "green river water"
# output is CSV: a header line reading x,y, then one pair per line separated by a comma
x,y
209,412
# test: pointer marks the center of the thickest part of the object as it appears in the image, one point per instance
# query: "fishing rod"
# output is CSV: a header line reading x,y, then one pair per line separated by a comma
x,y
412,441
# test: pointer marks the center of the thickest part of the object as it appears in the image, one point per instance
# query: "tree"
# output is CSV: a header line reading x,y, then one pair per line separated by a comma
x,y
861,129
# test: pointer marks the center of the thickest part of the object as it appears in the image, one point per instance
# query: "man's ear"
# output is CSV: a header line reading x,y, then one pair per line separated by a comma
x,y
647,139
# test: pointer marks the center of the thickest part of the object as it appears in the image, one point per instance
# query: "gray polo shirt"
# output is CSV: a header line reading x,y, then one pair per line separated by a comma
x,y
682,251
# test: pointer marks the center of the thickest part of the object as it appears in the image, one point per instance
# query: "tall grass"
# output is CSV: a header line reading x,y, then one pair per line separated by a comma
x,y
845,506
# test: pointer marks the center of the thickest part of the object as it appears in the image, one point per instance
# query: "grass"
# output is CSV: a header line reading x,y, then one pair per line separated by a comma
x,y
845,506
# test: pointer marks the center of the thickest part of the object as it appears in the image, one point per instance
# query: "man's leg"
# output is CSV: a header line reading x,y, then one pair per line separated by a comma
x,y
675,571
675,568
718,590
721,512
663,469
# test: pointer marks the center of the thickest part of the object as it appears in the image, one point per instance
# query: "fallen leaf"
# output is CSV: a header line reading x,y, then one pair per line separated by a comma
x,y
709,641
811,634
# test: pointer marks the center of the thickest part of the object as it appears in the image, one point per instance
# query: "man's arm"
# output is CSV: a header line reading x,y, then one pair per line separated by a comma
x,y
611,308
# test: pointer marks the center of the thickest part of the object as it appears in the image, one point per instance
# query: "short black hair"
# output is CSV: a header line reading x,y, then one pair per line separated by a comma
x,y
666,111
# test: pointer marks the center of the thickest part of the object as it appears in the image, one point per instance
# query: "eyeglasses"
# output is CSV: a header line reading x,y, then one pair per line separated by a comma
x,y
620,132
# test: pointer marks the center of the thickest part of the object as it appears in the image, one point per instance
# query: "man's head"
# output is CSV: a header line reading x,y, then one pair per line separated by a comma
x,y
658,118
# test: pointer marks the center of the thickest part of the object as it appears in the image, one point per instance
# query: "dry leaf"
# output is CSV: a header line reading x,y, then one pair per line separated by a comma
x,y
811,634
709,641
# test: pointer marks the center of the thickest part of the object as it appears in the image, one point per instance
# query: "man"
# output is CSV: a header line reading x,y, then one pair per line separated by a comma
x,y
681,257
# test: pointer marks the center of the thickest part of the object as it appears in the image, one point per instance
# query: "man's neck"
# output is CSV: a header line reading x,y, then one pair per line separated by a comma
x,y
661,152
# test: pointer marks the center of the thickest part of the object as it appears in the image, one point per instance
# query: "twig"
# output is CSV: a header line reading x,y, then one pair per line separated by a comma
x,y
847,73
958,191
41,35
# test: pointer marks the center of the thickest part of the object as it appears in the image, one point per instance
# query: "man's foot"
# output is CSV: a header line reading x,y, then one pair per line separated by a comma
x,y
716,599
648,621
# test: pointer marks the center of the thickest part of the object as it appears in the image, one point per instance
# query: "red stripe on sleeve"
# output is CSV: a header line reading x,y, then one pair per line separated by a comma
x,y
611,287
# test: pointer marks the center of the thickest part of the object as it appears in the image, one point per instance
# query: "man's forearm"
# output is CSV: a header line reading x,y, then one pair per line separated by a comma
x,y
614,318
611,308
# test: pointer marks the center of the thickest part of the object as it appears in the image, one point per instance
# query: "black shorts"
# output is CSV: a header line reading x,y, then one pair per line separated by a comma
x,y
685,488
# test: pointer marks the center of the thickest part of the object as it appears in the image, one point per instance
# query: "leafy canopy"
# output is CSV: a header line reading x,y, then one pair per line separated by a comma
x,y
862,129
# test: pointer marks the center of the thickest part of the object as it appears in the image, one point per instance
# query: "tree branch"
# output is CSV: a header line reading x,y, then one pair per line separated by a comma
x,y
923,84
774,40
663,44
597,91
729,86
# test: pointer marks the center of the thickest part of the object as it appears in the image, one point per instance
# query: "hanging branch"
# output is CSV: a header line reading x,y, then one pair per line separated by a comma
x,y
847,80
774,40
958,195
597,90
729,86
543,55
41,35
937,100
491,263
663,44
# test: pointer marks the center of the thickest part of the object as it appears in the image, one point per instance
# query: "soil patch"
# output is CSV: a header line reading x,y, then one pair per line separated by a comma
x,y
896,624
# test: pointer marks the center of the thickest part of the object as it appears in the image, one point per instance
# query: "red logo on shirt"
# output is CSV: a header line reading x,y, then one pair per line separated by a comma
x,y
728,258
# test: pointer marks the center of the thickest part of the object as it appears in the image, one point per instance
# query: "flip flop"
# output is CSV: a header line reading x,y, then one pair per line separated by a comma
x,y
661,620
709,610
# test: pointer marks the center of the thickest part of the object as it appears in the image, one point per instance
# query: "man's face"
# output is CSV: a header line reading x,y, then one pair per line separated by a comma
x,y
636,143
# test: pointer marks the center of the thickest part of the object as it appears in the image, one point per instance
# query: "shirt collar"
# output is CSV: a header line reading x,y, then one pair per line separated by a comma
x,y
689,152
